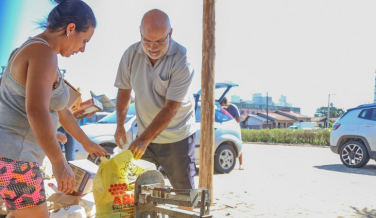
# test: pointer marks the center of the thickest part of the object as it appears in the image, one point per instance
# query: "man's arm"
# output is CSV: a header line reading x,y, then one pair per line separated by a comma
x,y
235,113
122,104
238,119
159,123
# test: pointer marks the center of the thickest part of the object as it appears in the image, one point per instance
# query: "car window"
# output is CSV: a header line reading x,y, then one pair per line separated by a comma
x,y
218,116
221,117
111,118
373,115
366,114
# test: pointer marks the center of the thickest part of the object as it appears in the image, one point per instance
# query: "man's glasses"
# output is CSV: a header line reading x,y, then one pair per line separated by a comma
x,y
150,43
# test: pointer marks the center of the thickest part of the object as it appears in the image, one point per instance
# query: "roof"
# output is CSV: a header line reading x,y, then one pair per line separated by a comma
x,y
275,116
333,119
318,119
323,119
263,119
292,114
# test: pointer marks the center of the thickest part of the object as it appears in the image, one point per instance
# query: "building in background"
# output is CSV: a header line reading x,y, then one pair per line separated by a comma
x,y
235,99
281,118
260,104
246,109
282,102
254,113
258,99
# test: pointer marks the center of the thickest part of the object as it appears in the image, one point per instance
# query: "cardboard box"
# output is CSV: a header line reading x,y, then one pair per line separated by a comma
x,y
84,171
90,106
74,95
62,200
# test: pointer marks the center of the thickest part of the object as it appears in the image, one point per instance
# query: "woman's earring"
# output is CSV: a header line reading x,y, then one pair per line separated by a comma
x,y
67,36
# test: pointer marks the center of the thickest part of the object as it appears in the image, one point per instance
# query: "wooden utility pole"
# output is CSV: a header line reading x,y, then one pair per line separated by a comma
x,y
207,98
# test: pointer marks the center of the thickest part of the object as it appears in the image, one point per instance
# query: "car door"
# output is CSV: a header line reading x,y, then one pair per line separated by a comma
x,y
367,128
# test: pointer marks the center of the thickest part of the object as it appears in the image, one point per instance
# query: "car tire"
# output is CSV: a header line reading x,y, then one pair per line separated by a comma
x,y
224,159
110,150
354,154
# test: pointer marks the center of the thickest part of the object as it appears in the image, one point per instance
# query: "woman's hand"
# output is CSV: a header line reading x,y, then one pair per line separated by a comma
x,y
91,114
64,177
61,137
93,148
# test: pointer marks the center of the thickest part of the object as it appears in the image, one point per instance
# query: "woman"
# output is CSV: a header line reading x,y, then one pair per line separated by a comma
x,y
33,100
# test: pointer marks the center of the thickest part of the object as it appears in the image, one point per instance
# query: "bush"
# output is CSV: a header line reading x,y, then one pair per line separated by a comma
x,y
299,136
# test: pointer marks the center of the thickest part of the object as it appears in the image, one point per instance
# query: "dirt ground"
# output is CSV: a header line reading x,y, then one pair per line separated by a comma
x,y
294,181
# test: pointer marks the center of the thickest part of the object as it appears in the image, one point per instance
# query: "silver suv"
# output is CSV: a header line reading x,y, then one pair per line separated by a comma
x,y
353,136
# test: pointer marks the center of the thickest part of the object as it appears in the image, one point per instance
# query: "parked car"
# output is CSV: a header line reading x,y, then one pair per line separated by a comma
x,y
353,136
228,142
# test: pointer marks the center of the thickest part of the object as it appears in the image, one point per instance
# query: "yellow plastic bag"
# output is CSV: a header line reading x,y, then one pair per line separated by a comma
x,y
113,186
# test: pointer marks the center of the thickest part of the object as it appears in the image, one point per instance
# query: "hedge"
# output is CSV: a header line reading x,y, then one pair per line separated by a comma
x,y
289,136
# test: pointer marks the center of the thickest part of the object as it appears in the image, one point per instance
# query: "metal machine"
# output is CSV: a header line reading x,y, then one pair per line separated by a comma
x,y
153,199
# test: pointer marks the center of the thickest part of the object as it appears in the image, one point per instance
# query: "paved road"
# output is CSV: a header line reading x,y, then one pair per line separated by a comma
x,y
294,181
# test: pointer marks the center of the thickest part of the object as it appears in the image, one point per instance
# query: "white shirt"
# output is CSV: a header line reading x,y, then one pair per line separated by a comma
x,y
169,78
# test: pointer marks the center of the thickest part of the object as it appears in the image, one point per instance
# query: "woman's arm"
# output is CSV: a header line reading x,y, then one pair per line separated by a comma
x,y
70,125
61,137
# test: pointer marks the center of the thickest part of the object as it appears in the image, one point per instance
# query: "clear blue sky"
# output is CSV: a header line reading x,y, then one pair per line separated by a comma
x,y
302,49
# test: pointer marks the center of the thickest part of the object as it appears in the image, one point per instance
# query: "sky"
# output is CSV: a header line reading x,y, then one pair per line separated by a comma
x,y
304,50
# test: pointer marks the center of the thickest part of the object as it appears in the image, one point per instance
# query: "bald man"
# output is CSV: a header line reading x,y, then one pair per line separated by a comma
x,y
157,69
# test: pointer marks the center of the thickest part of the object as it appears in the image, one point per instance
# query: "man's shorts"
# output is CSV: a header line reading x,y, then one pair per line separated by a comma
x,y
177,160
21,184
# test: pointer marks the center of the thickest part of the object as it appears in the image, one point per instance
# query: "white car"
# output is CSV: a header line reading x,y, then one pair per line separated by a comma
x,y
228,142
353,136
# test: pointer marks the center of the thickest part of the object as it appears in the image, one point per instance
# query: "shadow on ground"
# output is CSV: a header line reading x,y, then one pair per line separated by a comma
x,y
369,170
365,212
160,169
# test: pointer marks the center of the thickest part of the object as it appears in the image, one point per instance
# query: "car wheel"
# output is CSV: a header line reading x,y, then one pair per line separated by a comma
x,y
110,150
224,159
354,154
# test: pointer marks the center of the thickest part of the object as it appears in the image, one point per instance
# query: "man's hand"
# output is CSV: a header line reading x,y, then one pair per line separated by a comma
x,y
138,148
61,137
120,136
93,148
159,123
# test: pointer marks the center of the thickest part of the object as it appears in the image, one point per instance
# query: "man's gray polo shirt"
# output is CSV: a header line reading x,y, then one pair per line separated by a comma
x,y
170,78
